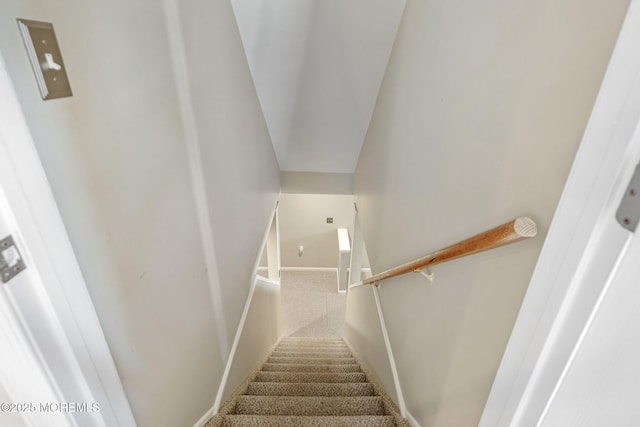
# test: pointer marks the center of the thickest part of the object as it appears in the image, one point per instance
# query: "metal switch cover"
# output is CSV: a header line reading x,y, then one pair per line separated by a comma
x,y
46,59
11,262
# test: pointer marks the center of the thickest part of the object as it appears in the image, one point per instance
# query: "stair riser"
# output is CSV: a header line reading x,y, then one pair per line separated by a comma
x,y
306,406
293,421
316,354
295,377
314,345
291,349
280,367
310,389
312,348
312,361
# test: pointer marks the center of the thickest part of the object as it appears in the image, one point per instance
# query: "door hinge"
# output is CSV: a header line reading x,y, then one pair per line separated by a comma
x,y
11,262
628,213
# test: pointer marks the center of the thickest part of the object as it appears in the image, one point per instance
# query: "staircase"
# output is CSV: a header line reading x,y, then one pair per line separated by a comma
x,y
309,382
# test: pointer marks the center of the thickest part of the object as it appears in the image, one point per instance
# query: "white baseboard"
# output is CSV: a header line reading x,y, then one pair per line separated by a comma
x,y
392,361
267,281
309,268
234,347
205,418
407,415
412,420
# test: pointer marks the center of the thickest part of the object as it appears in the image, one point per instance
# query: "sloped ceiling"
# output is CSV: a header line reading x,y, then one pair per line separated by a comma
x,y
317,66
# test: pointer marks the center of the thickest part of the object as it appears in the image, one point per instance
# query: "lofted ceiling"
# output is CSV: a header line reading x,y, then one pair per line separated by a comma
x,y
317,67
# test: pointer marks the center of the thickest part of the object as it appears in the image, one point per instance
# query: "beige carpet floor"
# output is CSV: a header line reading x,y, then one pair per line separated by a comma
x,y
311,304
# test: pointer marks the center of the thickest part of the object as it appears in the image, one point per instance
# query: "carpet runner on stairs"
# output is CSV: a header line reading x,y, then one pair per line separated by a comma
x,y
309,382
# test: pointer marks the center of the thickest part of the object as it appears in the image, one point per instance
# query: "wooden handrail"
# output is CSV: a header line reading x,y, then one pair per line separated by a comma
x,y
519,229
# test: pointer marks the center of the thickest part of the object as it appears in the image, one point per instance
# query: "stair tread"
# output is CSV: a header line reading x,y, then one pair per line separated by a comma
x,y
323,354
288,367
311,377
309,405
308,421
315,352
310,389
315,344
312,348
313,360
292,349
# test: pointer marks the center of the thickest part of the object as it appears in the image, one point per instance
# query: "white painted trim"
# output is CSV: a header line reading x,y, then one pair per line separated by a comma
x,y
192,139
357,285
234,347
342,292
344,259
72,328
267,281
412,420
581,250
205,418
408,416
277,220
343,240
392,360
24,374
265,239
271,244
309,269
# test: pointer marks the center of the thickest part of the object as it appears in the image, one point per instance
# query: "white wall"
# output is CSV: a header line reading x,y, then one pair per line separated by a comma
x,y
316,183
262,329
242,178
477,121
116,158
303,221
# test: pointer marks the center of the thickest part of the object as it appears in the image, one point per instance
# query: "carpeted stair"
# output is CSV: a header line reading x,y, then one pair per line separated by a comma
x,y
309,382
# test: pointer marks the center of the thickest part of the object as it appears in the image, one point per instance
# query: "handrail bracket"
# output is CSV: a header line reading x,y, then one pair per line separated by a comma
x,y
426,273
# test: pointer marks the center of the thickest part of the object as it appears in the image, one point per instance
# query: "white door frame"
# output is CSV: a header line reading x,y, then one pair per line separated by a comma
x,y
69,332
582,249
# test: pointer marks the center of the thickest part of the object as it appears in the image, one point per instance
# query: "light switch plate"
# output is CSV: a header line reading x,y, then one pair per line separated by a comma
x,y
46,59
